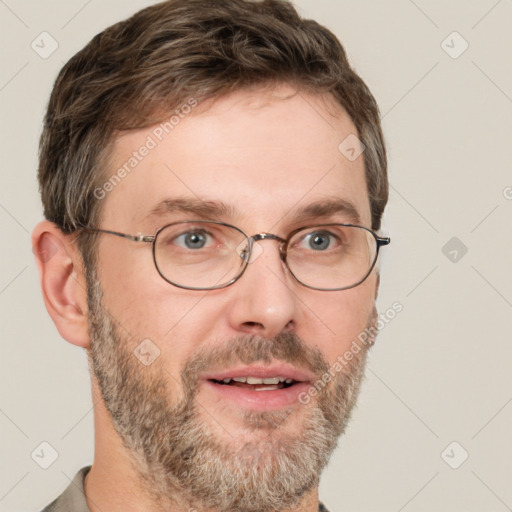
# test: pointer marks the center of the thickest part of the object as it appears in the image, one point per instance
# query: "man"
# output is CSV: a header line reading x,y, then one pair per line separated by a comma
x,y
213,175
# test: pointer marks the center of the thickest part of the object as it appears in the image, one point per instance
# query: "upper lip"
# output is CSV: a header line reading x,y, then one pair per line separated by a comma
x,y
262,372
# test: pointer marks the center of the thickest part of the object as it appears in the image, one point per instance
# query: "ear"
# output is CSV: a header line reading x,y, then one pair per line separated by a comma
x,y
62,281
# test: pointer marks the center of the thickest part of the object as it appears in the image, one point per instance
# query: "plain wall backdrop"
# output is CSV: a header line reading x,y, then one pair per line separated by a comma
x,y
439,385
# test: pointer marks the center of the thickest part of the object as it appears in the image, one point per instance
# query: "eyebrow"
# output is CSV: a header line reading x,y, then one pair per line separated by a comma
x,y
203,209
217,209
327,208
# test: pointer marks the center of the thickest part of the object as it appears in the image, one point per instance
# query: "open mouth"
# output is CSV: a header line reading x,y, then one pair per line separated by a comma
x,y
259,387
256,383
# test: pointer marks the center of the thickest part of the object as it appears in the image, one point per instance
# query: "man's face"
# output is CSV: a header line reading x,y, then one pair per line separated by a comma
x,y
264,160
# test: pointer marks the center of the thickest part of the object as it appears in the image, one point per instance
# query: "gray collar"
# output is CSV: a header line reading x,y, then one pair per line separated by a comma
x,y
73,498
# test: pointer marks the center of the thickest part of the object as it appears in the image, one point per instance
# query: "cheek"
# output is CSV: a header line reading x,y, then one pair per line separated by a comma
x,y
146,307
138,297
341,317
177,321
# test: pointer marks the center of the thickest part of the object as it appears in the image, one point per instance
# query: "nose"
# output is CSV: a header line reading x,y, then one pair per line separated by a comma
x,y
264,302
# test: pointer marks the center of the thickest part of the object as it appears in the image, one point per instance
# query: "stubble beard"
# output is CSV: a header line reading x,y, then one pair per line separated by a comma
x,y
180,460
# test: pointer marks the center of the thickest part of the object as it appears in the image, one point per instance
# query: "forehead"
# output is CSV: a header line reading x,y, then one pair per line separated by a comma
x,y
264,156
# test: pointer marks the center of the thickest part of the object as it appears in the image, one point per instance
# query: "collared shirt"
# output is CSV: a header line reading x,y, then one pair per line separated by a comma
x,y
73,498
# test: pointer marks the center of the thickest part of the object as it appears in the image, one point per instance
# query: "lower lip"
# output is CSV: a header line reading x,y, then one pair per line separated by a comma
x,y
260,400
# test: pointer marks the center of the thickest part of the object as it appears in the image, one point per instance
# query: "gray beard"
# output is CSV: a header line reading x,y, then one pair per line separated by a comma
x,y
180,461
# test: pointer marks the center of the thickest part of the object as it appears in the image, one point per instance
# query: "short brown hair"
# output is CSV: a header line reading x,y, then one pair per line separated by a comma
x,y
131,75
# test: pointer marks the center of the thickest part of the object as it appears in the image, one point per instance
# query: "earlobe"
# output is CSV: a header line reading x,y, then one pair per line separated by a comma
x,y
62,282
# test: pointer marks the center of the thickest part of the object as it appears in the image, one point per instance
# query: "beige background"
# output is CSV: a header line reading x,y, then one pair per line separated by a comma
x,y
440,371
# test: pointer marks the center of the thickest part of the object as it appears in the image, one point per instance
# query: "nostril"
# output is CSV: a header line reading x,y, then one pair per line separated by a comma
x,y
253,328
253,324
290,326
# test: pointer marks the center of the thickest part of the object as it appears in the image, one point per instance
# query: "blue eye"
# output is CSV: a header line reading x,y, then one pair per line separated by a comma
x,y
317,241
192,240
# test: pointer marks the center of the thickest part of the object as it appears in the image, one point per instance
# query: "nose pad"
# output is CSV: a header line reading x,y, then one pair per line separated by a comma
x,y
242,250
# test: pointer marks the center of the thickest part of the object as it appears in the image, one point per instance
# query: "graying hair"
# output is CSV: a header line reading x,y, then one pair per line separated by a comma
x,y
172,51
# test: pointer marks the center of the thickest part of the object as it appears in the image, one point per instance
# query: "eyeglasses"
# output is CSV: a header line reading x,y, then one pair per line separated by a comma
x,y
207,255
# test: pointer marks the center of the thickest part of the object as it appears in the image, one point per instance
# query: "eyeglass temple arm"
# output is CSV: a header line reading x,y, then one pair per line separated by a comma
x,y
383,241
134,238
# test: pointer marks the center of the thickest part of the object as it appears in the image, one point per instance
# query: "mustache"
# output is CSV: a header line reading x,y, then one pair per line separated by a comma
x,y
286,347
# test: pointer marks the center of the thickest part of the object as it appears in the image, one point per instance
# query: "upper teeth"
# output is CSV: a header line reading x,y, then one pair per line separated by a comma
x,y
256,380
